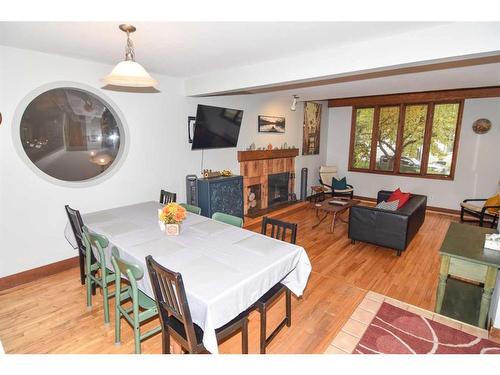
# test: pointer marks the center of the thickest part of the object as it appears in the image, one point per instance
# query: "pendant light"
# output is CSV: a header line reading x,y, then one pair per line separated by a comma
x,y
128,73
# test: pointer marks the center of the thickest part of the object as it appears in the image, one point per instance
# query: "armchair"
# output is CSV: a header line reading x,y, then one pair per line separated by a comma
x,y
483,213
326,174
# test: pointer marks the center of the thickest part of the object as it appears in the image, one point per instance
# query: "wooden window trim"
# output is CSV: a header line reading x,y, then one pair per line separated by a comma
x,y
399,140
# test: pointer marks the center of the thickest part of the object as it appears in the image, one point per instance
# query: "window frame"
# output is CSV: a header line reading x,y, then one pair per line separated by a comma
x,y
399,139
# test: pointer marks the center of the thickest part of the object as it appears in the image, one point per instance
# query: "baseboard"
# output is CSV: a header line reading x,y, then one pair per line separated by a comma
x,y
24,277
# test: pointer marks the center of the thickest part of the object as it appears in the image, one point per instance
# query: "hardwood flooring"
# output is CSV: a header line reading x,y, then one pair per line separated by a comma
x,y
50,315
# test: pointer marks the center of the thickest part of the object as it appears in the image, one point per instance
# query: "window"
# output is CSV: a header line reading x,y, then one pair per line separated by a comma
x,y
363,137
70,134
417,139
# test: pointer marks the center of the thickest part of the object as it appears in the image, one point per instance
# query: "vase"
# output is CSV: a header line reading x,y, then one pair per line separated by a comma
x,y
172,229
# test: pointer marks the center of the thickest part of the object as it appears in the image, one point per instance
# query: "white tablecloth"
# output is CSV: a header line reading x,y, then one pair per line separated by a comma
x,y
225,269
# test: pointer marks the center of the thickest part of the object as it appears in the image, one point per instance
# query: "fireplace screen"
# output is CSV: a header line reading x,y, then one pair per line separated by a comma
x,y
277,188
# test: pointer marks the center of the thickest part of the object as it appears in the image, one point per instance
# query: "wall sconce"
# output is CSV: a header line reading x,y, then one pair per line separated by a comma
x,y
293,107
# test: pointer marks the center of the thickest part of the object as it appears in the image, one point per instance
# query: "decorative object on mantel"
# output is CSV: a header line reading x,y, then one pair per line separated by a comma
x,y
271,124
269,146
251,147
171,217
208,173
481,126
311,129
128,73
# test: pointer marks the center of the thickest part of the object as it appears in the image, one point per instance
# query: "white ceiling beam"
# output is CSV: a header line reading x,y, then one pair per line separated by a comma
x,y
449,42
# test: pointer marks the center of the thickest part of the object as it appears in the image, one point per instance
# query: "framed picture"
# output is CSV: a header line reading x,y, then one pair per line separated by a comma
x,y
271,124
311,130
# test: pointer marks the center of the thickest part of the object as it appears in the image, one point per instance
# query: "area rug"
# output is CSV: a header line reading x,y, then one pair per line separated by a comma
x,y
397,331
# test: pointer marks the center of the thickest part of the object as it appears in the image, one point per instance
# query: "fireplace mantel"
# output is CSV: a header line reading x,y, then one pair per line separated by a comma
x,y
257,165
267,154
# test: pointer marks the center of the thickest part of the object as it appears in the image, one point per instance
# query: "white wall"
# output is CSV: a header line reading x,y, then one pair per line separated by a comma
x,y
32,216
253,106
477,171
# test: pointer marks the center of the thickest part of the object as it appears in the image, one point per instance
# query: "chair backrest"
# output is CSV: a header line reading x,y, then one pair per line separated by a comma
x,y
76,223
190,208
228,219
131,271
167,197
327,173
279,229
171,299
97,241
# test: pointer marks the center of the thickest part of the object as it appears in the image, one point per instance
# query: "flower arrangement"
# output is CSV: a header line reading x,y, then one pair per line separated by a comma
x,y
172,213
170,218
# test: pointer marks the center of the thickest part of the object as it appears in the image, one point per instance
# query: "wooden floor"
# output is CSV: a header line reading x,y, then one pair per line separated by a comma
x,y
50,315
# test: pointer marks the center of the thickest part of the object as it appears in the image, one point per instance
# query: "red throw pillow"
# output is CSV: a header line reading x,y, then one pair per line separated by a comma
x,y
402,197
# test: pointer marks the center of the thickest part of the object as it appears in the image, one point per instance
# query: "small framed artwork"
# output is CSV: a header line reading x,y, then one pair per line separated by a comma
x,y
271,124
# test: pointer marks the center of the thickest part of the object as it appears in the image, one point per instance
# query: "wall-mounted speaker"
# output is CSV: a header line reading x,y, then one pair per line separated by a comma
x,y
191,189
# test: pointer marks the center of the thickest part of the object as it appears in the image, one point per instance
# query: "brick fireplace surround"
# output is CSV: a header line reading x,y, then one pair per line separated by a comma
x,y
256,166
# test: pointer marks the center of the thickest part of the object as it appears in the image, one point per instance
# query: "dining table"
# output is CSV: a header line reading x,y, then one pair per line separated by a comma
x,y
225,269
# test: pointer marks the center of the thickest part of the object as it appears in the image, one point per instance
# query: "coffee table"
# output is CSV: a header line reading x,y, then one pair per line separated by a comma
x,y
335,209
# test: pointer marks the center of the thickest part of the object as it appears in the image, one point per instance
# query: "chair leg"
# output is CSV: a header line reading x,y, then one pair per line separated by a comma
x,y
398,253
105,293
105,302
288,301
89,283
118,317
82,267
137,329
165,341
263,313
244,337
462,215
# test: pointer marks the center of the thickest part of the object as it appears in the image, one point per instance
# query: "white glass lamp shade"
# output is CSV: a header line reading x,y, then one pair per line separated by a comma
x,y
130,74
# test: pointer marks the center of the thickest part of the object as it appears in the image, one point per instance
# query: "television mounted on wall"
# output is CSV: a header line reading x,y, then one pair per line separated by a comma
x,y
216,127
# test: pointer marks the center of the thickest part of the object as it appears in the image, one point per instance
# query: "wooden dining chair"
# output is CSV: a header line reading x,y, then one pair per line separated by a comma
x,y
167,197
228,219
97,274
76,222
190,208
143,307
175,315
280,230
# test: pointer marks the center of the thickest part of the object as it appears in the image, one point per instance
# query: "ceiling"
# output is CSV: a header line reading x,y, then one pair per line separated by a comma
x,y
186,49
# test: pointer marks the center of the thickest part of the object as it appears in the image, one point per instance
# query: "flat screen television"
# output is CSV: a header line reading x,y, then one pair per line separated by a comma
x,y
216,127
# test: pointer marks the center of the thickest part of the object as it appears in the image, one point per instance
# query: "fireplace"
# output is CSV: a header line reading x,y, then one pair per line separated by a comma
x,y
277,185
268,179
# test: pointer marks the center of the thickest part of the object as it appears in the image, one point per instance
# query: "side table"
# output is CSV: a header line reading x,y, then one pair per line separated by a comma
x,y
463,255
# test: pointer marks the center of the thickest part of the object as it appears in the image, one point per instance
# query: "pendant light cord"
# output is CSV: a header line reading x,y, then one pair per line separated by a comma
x,y
129,49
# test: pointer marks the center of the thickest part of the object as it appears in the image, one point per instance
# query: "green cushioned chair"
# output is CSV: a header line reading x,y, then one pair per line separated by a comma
x,y
94,264
228,219
190,208
143,307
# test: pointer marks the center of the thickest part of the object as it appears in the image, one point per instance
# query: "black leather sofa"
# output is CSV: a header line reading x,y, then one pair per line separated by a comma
x,y
392,229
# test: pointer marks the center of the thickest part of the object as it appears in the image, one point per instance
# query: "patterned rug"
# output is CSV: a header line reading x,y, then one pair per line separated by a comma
x,y
397,331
